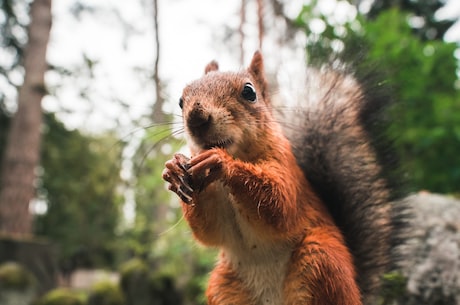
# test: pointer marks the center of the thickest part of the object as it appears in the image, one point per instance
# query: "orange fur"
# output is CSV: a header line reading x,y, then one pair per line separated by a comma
x,y
278,243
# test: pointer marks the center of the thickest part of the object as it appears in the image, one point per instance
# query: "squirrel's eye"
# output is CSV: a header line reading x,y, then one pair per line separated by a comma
x,y
249,93
181,103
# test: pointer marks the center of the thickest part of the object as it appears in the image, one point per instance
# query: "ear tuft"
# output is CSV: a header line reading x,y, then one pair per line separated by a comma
x,y
256,67
212,66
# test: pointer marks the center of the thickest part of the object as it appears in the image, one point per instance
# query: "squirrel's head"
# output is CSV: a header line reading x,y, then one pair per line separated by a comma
x,y
229,110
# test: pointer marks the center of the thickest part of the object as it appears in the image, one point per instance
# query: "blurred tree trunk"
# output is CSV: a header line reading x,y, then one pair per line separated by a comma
x,y
241,30
260,22
157,114
21,157
260,27
160,211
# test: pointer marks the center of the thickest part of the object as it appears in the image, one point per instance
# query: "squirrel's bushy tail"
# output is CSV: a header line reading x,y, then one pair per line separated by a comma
x,y
342,155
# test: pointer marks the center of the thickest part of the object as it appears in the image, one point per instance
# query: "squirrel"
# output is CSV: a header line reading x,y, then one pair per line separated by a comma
x,y
300,217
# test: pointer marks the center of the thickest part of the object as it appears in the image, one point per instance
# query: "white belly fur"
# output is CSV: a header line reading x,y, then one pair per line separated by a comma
x,y
261,265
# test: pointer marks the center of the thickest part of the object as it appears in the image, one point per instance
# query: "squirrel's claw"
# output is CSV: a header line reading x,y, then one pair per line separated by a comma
x,y
183,195
180,180
187,176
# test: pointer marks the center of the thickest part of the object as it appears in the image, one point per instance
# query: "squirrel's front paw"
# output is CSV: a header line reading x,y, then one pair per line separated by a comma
x,y
208,167
176,173
187,176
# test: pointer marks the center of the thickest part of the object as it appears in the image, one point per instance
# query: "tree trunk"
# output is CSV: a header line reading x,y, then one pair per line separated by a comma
x,y
160,211
21,157
157,114
260,22
241,30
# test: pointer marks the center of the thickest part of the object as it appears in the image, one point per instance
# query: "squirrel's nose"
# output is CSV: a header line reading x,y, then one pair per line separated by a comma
x,y
198,121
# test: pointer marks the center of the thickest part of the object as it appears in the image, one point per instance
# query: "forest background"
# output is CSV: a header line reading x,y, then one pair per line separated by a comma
x,y
89,115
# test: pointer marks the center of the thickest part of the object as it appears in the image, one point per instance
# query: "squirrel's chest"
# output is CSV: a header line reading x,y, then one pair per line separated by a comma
x,y
260,265
262,274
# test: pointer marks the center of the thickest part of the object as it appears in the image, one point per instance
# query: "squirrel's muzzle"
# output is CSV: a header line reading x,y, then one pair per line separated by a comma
x,y
198,121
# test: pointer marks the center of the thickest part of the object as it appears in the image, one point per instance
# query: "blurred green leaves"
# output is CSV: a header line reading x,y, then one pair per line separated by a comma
x,y
421,74
79,180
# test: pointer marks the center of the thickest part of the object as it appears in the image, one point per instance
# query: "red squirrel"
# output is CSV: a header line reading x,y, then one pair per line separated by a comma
x,y
299,219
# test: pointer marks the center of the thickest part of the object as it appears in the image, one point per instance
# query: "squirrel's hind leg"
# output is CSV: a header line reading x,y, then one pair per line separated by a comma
x,y
321,272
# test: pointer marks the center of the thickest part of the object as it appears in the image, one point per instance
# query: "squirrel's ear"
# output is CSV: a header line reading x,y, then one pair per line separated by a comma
x,y
256,69
212,66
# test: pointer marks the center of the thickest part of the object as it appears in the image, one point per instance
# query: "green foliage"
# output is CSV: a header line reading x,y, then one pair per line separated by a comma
x,y
427,116
12,29
105,293
422,75
163,291
18,286
142,286
177,254
12,40
431,29
393,287
134,282
132,269
337,36
62,296
79,182
14,276
195,290
154,212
